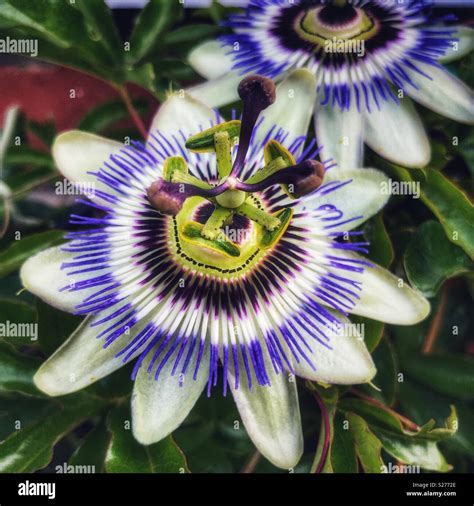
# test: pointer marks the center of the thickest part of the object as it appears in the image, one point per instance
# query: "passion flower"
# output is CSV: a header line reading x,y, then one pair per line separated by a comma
x,y
368,58
205,256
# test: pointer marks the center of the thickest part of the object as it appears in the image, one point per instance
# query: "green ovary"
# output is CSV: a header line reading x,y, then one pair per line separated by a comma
x,y
231,199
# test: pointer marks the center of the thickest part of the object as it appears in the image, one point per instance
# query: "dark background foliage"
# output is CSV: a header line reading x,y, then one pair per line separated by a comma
x,y
421,414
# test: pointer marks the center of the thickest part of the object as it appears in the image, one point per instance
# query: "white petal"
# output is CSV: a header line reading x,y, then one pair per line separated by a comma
x,y
396,132
159,406
347,363
362,197
271,416
76,153
443,93
463,46
182,113
293,107
386,298
41,274
82,360
339,134
219,91
210,59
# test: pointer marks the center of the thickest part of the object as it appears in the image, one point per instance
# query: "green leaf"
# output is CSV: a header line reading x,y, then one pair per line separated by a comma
x,y
379,418
69,57
23,316
21,411
381,252
380,249
466,148
373,330
21,181
430,259
329,399
24,155
17,370
386,378
373,415
452,375
92,451
101,27
150,26
201,462
368,446
413,451
115,387
63,35
105,115
45,131
430,431
191,33
448,203
19,251
343,454
31,448
210,429
54,326
145,76
421,403
463,439
414,448
175,69
126,455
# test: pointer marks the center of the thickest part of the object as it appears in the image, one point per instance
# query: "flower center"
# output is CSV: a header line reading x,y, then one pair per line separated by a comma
x,y
233,249
339,20
338,15
225,228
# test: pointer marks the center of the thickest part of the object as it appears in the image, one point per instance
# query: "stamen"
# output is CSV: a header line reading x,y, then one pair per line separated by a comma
x,y
168,198
300,179
257,93
164,198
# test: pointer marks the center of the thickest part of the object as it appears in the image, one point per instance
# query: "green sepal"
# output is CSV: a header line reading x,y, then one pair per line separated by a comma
x,y
203,142
269,238
192,232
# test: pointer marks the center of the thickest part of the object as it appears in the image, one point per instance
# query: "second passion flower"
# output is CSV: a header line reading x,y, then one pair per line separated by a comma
x,y
218,246
369,58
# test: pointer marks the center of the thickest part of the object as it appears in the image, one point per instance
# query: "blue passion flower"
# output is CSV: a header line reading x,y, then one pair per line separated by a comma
x,y
218,246
368,57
